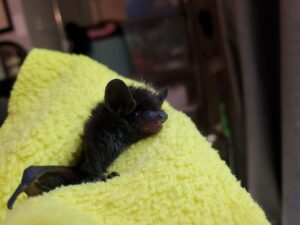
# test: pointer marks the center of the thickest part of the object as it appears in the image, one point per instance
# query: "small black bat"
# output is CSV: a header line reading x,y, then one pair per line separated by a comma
x,y
127,115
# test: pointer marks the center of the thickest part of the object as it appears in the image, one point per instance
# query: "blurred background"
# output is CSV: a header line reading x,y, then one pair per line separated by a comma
x,y
230,65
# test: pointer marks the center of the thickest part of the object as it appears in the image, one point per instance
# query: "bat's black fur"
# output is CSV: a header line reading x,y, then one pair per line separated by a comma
x,y
112,128
127,115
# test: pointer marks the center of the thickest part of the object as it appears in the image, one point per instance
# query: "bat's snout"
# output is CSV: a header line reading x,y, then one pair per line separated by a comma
x,y
159,116
162,116
153,121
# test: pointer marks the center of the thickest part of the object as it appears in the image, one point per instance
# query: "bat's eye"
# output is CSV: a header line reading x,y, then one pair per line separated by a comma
x,y
138,113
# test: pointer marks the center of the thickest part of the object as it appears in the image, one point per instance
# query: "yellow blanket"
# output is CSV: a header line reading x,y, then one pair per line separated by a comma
x,y
174,177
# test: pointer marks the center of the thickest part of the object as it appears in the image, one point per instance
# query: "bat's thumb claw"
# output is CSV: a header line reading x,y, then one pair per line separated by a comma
x,y
15,195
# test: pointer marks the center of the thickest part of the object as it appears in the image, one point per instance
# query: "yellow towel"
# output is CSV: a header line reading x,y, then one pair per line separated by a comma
x,y
174,177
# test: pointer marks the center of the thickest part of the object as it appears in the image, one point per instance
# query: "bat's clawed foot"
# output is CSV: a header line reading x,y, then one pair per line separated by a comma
x,y
104,177
112,175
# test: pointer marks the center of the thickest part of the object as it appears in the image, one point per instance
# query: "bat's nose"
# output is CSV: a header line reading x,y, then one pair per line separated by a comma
x,y
159,116
162,116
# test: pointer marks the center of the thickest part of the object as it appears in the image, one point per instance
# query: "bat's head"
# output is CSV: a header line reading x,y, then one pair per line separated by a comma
x,y
140,107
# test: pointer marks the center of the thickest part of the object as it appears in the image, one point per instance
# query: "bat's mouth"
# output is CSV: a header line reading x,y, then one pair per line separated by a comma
x,y
152,122
154,128
156,124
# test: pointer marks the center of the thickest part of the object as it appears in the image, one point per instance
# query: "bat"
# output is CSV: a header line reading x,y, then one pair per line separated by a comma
x,y
127,115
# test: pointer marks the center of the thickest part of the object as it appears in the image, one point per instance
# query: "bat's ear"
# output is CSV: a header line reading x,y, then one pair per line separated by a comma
x,y
118,97
162,94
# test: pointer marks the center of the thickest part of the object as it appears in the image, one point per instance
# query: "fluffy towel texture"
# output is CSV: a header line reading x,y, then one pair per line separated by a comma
x,y
174,177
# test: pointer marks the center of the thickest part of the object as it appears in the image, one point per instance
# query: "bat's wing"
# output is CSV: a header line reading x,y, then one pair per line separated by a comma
x,y
38,179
